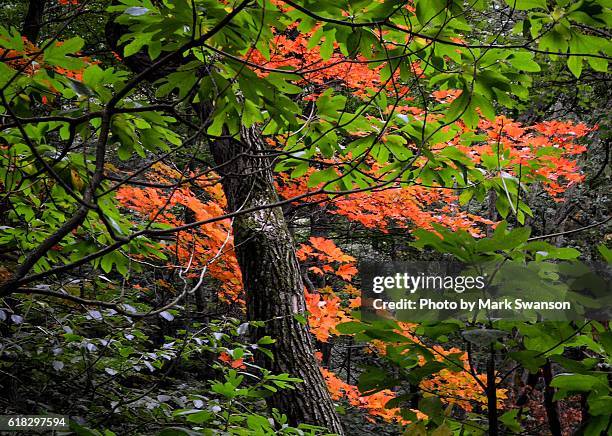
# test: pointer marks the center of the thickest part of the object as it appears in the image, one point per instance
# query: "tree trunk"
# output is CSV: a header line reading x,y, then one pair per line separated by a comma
x,y
552,412
33,20
492,395
270,271
272,281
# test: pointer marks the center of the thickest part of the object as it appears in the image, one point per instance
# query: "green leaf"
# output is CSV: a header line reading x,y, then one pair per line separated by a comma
x,y
576,382
266,340
106,263
315,38
322,176
300,318
442,430
523,5
349,328
555,40
83,431
600,406
509,419
375,379
200,417
605,252
136,44
524,61
574,63
330,105
598,64
462,108
10,39
465,196
502,205
57,53
596,426
79,88
485,107
431,406
327,48
427,10
177,431
502,240
279,80
251,114
530,359
430,368
416,429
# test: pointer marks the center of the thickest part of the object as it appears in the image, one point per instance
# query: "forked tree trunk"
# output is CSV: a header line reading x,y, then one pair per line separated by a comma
x,y
272,281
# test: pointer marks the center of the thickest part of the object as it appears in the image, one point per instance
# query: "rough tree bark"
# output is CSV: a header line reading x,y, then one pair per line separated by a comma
x,y
272,281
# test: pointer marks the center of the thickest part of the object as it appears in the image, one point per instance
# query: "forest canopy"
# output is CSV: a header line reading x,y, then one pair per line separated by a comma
x,y
193,192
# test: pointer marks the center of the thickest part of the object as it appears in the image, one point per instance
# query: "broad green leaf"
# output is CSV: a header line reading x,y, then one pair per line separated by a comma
x,y
576,382
57,53
322,176
523,5
574,63
524,61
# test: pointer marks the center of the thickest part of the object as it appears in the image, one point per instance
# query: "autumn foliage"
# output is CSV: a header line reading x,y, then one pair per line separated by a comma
x,y
359,136
209,246
544,153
